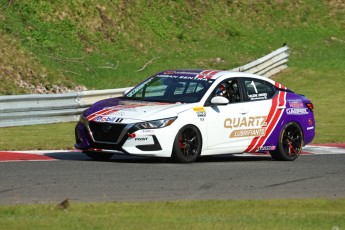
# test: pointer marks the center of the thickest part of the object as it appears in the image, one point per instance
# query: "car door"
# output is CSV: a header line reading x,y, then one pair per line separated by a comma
x,y
232,128
262,102
223,120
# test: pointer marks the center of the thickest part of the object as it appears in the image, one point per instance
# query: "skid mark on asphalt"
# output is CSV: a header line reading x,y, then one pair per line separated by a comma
x,y
50,155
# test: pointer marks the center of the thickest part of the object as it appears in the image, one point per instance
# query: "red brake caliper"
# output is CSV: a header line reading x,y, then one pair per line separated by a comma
x,y
181,145
292,149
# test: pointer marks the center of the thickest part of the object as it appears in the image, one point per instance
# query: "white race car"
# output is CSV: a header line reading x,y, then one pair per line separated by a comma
x,y
184,114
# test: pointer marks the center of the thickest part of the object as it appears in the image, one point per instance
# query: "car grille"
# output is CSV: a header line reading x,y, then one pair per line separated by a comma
x,y
106,132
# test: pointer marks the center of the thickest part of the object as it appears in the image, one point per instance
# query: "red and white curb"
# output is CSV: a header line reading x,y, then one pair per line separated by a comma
x,y
48,155
32,155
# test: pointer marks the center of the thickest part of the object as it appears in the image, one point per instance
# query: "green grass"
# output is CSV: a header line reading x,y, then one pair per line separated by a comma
x,y
272,214
38,137
102,44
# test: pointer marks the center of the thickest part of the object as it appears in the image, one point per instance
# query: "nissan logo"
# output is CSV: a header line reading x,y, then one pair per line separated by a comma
x,y
106,127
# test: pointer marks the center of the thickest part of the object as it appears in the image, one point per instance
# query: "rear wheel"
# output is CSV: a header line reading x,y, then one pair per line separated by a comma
x,y
187,145
99,156
290,143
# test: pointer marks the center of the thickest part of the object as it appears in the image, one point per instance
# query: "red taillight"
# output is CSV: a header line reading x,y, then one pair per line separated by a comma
x,y
310,106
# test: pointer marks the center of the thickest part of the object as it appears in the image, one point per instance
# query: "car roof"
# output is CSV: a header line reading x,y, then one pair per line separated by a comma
x,y
213,74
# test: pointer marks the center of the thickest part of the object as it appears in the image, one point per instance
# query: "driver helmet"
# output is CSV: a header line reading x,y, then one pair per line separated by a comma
x,y
221,90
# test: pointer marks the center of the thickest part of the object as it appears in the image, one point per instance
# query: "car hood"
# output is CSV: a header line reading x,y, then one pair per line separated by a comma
x,y
116,110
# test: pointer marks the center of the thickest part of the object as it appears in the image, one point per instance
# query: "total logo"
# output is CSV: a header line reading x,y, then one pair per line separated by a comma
x,y
236,122
253,126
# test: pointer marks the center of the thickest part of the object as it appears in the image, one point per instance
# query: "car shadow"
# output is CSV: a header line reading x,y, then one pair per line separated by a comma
x,y
234,158
79,156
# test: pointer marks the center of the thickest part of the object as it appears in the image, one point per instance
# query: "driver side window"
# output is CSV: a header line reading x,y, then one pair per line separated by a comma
x,y
229,89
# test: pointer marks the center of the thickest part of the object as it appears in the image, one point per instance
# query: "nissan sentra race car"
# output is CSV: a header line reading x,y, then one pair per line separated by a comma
x,y
184,114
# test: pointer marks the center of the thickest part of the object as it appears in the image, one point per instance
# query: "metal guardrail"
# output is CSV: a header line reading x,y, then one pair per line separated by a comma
x,y
268,65
17,110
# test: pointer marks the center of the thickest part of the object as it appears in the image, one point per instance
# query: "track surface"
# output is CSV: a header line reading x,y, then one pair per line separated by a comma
x,y
50,177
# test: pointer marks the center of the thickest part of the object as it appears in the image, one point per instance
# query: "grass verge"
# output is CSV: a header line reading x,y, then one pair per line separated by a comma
x,y
38,137
245,214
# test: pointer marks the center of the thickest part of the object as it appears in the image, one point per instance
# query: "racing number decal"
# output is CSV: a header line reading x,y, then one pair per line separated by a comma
x,y
272,120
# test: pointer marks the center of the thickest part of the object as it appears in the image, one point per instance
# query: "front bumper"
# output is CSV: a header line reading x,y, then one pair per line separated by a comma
x,y
120,138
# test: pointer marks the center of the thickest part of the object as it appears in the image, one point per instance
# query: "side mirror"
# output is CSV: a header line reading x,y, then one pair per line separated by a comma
x,y
219,100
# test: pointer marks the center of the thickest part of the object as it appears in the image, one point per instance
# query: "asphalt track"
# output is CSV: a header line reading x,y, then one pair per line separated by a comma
x,y
52,176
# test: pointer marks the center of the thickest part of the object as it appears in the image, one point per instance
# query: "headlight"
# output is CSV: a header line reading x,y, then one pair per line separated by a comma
x,y
82,119
155,124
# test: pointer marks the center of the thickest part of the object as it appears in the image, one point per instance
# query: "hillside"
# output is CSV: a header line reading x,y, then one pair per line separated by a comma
x,y
56,46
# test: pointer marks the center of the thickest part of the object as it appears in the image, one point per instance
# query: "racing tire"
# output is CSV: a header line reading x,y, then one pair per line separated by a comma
x,y
98,156
187,145
290,143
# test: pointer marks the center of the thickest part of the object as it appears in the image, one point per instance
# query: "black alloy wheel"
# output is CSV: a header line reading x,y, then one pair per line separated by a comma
x,y
187,145
290,143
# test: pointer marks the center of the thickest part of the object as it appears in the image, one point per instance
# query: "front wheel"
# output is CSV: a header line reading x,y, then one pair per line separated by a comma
x,y
187,145
290,143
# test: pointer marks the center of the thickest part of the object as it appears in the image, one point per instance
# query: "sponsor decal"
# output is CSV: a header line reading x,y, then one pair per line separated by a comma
x,y
125,106
246,122
296,103
108,119
144,140
248,133
176,76
146,131
294,111
201,114
257,96
310,122
200,111
266,148
141,139
252,121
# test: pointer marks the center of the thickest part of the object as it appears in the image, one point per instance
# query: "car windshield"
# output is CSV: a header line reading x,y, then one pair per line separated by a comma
x,y
170,88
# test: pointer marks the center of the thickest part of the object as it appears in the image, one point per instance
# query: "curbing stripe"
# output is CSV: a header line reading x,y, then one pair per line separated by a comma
x,y
41,155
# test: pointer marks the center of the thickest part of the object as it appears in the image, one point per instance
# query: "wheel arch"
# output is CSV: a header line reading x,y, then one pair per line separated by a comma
x,y
293,121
